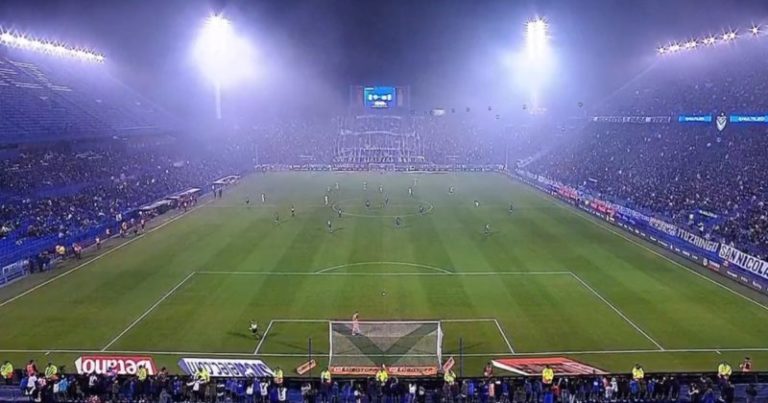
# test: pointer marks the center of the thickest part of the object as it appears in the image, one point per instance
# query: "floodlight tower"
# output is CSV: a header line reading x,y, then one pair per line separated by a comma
x,y
218,51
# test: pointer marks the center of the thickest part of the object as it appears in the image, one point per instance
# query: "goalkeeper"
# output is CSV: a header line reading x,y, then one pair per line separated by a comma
x,y
254,328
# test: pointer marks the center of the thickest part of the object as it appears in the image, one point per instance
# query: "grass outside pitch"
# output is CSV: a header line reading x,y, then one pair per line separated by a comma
x,y
547,278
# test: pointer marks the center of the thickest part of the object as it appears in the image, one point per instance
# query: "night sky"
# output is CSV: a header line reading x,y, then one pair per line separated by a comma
x,y
450,52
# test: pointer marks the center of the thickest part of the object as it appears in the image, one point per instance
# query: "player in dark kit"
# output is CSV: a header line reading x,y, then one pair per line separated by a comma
x,y
254,327
397,221
293,211
511,207
367,203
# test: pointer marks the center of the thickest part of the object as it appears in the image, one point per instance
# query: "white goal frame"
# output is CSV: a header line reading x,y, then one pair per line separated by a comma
x,y
437,323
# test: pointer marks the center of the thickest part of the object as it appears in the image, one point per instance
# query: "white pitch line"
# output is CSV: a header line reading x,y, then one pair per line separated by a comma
x,y
504,335
423,266
617,310
646,247
95,258
151,308
263,337
300,320
469,320
384,274
517,353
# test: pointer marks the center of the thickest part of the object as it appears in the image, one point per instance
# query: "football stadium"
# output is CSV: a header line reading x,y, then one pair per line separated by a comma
x,y
266,202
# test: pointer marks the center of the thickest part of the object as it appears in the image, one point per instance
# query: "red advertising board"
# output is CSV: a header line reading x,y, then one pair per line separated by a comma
x,y
534,366
123,364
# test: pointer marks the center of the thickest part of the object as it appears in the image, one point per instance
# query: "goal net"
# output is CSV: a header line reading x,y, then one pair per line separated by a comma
x,y
405,347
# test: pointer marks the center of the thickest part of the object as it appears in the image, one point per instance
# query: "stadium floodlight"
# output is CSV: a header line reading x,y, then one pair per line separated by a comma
x,y
710,40
674,47
536,37
22,42
222,55
690,45
755,30
661,50
729,36
536,62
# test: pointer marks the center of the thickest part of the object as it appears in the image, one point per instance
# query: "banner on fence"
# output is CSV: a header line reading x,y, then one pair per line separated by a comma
x,y
226,368
744,261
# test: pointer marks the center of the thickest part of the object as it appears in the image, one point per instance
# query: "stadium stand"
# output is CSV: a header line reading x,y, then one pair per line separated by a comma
x,y
689,174
50,99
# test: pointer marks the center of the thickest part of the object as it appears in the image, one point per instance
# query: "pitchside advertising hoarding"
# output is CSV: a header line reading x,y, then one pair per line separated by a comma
x,y
226,368
534,366
724,259
120,364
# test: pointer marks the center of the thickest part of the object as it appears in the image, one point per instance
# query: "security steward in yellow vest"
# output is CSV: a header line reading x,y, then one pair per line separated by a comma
x,y
278,376
547,376
51,372
724,371
382,375
6,372
449,377
142,373
638,373
325,376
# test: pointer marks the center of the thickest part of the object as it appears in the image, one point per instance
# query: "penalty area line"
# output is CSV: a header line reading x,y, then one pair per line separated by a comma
x,y
151,308
264,337
504,335
617,310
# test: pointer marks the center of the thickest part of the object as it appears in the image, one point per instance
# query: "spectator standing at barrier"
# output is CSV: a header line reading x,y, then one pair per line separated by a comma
x,y
746,365
264,390
31,368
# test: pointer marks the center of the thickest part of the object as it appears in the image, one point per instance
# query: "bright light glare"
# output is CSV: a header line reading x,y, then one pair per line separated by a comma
x,y
755,30
535,64
222,55
536,38
19,41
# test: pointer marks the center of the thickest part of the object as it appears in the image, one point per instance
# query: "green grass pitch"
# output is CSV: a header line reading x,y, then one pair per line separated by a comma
x,y
547,280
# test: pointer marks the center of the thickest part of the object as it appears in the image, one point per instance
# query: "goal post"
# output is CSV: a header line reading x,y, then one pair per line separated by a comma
x,y
410,348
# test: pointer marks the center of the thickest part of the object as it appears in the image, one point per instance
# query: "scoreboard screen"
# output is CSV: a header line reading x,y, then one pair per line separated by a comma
x,y
379,97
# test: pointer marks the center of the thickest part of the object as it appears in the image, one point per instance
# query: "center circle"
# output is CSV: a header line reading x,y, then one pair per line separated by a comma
x,y
379,208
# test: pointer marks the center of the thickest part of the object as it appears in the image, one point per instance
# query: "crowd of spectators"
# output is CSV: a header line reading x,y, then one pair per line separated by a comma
x,y
57,193
691,174
53,385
